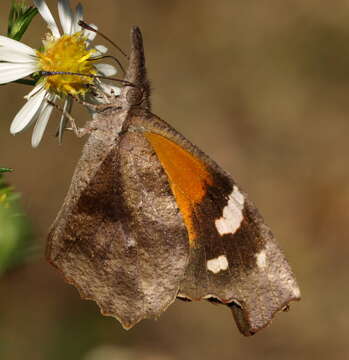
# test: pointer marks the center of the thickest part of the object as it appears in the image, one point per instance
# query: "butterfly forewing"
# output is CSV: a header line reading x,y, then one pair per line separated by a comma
x,y
233,256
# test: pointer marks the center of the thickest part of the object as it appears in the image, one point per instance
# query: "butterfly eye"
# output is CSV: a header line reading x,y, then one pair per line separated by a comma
x,y
134,96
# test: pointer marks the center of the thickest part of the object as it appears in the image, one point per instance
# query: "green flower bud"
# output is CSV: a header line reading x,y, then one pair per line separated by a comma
x,y
21,15
15,234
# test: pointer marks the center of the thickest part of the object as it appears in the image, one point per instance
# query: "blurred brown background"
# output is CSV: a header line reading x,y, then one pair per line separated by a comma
x,y
263,87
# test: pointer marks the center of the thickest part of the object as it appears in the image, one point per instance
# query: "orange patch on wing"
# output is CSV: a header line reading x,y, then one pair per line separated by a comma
x,y
188,177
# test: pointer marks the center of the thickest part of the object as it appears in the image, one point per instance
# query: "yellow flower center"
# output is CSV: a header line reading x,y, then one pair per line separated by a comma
x,y
69,53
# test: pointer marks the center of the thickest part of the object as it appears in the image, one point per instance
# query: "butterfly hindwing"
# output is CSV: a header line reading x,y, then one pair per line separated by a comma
x,y
161,237
118,238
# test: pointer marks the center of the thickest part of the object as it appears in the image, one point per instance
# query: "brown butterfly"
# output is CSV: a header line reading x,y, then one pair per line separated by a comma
x,y
150,218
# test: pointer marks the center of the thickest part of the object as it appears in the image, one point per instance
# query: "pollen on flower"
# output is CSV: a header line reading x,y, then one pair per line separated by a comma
x,y
69,53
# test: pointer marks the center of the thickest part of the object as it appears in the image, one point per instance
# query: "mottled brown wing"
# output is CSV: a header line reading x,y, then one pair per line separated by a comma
x,y
240,265
134,232
234,258
119,237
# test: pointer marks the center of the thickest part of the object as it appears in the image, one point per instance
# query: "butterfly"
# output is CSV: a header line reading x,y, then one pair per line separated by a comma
x,y
150,218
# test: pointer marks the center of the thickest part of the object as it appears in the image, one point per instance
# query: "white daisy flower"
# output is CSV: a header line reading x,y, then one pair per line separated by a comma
x,y
67,52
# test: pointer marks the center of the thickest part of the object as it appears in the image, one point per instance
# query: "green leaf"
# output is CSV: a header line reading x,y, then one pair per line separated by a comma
x,y
20,17
4,170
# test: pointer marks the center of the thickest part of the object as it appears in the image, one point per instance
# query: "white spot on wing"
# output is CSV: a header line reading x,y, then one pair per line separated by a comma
x,y
261,259
232,217
218,264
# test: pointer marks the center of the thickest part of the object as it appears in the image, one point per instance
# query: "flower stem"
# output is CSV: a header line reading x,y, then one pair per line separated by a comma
x,y
23,82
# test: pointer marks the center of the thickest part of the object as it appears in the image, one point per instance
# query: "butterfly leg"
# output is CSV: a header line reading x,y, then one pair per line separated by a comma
x,y
79,132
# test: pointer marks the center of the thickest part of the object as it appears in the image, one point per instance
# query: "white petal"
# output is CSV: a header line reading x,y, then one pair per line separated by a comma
x,y
35,90
90,34
101,50
28,112
65,15
106,69
11,72
79,15
16,46
64,120
13,56
41,123
47,16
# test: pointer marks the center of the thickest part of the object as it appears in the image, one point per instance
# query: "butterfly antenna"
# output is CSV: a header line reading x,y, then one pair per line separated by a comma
x,y
90,28
53,73
110,57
